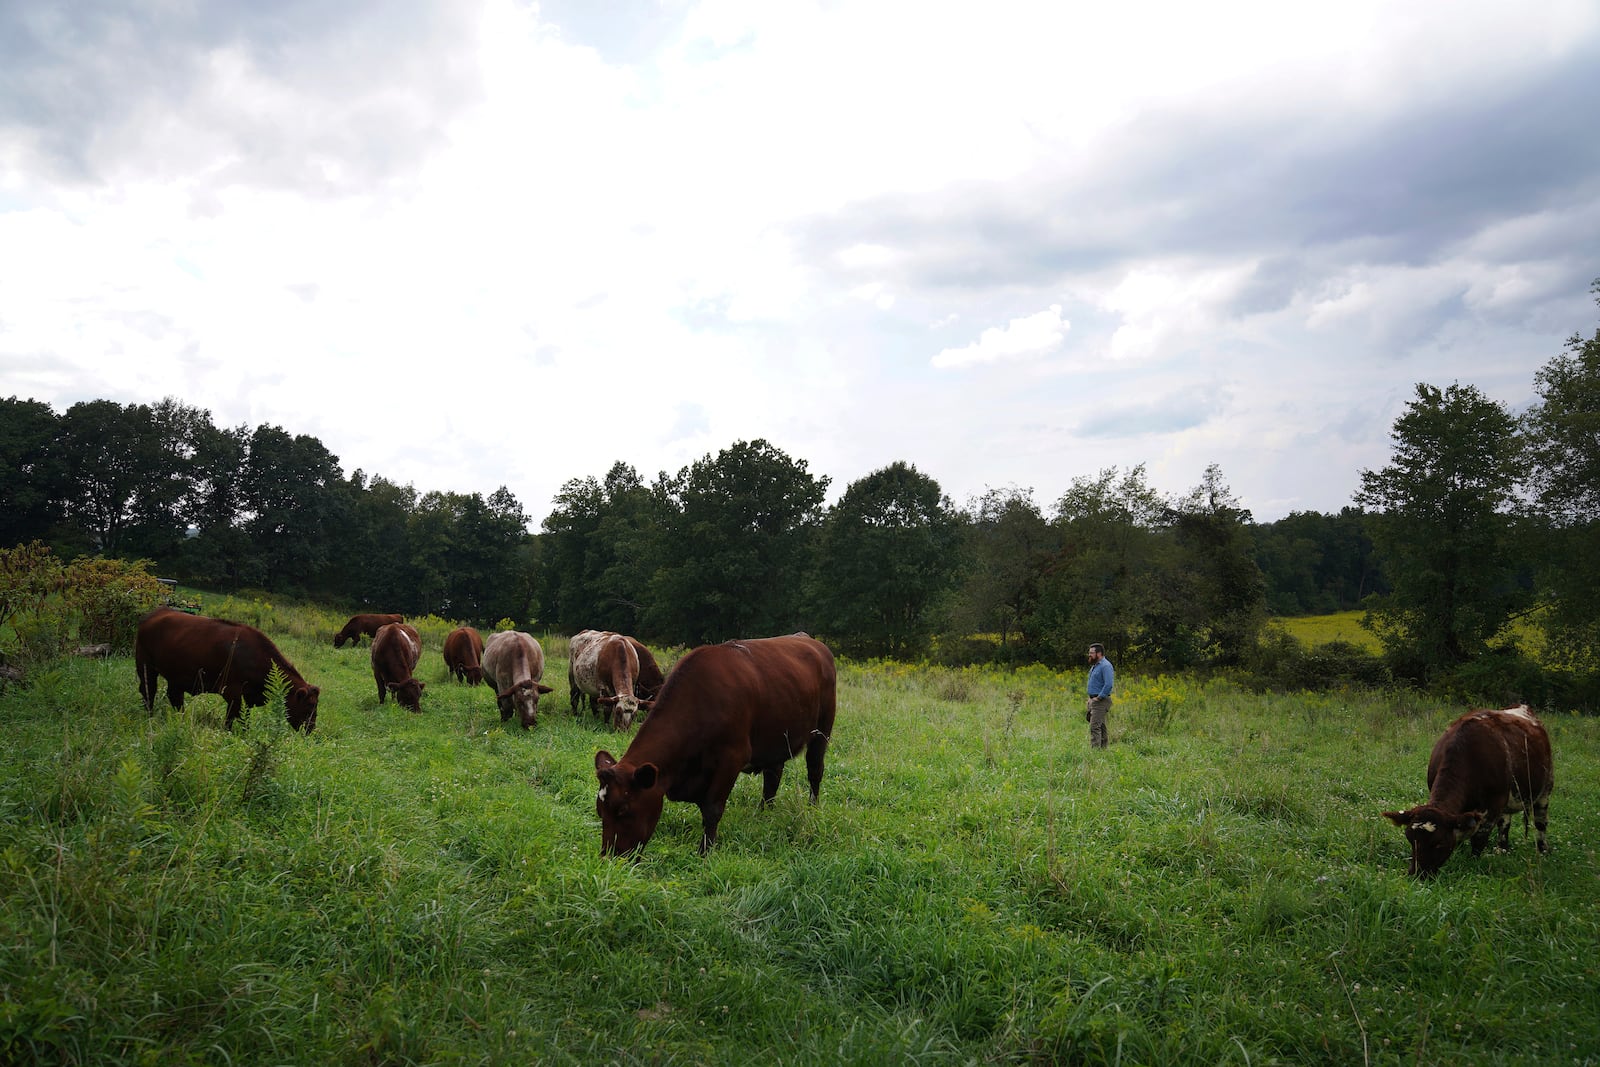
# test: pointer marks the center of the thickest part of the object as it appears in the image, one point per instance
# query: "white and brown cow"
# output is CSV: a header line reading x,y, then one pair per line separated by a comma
x,y
604,667
513,663
1486,765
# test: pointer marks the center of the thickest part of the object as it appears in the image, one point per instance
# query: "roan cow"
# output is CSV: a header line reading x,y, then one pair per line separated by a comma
x,y
1486,765
463,655
196,654
396,648
604,667
363,625
742,706
513,663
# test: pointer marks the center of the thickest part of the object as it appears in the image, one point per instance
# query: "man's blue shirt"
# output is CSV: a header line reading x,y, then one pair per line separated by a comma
x,y
1101,679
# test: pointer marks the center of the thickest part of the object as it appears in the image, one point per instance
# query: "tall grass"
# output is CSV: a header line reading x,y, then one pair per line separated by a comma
x,y
976,885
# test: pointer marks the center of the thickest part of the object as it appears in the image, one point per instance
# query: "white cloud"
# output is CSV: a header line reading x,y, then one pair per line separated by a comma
x,y
447,252
1032,335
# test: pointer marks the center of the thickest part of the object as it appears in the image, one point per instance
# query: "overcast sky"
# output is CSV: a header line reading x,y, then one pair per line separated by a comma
x,y
468,245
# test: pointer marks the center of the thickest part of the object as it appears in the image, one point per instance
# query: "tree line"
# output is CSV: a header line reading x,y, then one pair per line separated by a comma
x,y
1480,519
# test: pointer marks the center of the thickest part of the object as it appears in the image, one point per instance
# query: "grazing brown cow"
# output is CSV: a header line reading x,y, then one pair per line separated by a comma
x,y
396,648
513,663
360,625
743,706
1487,764
604,667
647,682
196,654
463,655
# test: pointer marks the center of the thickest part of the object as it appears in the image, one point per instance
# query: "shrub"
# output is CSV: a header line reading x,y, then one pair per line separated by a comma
x,y
1283,663
110,596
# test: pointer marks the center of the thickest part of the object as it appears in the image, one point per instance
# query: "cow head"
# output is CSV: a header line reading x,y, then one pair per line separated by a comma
x,y
1434,834
300,703
408,694
473,675
629,804
522,698
623,708
338,639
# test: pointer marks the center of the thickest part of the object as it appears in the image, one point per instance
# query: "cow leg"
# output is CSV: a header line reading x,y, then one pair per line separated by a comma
x,y
382,692
769,783
147,686
175,695
716,802
235,701
1480,839
574,694
816,755
1505,832
1541,819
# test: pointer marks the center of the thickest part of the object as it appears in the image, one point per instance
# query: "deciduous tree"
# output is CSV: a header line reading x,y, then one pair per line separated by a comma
x,y
887,551
734,547
1562,429
1439,520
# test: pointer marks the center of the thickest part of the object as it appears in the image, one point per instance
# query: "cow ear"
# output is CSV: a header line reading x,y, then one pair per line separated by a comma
x,y
544,688
421,686
646,705
645,776
1401,819
603,761
392,686
1468,822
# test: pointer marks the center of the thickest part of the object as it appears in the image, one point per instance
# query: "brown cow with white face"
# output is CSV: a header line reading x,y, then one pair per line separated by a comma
x,y
196,654
361,626
739,707
604,667
463,655
513,663
1486,765
395,651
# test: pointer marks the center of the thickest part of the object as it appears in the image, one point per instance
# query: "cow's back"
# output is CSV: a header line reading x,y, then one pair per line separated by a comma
x,y
463,648
1486,755
764,696
511,656
183,647
396,648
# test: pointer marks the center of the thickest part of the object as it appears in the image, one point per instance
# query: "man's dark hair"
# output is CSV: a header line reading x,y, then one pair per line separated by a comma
x,y
1098,647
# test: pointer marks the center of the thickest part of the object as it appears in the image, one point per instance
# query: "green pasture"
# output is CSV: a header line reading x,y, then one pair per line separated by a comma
x,y
977,886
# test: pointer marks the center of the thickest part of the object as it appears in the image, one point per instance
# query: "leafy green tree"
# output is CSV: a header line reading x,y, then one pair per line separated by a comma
x,y
1217,595
214,509
735,541
565,597
103,475
288,495
1094,589
598,552
380,575
464,554
887,551
1562,429
1316,563
30,471
1007,544
1440,525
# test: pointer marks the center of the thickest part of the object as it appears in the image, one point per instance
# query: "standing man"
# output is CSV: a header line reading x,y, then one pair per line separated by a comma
x,y
1101,679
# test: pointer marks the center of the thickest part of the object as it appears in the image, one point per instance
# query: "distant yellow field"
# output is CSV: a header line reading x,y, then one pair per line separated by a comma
x,y
1313,630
